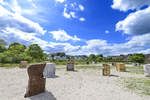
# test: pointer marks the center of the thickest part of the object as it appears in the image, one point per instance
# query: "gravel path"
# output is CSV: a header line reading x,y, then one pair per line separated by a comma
x,y
86,84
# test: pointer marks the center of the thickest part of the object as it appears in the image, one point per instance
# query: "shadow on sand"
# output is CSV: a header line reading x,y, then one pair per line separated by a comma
x,y
43,96
127,71
75,71
56,76
113,75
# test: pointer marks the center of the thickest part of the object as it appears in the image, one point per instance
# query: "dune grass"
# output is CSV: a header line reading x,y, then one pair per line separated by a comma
x,y
139,85
135,70
9,65
88,67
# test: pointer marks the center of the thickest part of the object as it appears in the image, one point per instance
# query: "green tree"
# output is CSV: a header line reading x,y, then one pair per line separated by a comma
x,y
62,54
16,48
2,45
99,58
15,54
44,56
68,58
2,48
92,57
52,55
35,51
137,58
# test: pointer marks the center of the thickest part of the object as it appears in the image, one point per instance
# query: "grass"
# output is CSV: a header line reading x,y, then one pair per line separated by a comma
x,y
139,85
135,70
9,65
88,67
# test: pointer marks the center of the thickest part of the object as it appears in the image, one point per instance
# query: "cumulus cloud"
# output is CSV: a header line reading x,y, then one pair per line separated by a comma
x,y
73,14
14,20
135,45
96,46
14,35
62,35
146,51
60,1
135,23
2,2
71,10
125,5
65,14
107,31
81,7
82,19
23,7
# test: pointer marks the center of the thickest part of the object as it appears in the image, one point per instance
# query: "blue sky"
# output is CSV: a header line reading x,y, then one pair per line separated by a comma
x,y
77,27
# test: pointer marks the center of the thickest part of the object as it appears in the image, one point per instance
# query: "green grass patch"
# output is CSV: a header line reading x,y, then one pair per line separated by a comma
x,y
88,67
138,85
135,70
9,65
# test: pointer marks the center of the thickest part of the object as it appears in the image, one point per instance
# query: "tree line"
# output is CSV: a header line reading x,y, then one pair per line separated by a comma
x,y
135,58
17,52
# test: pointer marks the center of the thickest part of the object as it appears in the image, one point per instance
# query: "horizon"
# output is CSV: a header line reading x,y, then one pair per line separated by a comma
x,y
78,27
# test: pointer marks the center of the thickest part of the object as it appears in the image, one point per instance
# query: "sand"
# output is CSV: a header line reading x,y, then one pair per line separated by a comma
x,y
82,84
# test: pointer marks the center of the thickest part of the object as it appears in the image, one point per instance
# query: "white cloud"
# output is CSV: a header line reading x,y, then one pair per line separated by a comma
x,y
61,35
136,23
125,5
96,46
27,8
22,7
107,31
2,2
93,47
14,35
146,51
69,15
32,3
14,20
71,10
73,14
65,14
135,45
81,7
60,1
82,19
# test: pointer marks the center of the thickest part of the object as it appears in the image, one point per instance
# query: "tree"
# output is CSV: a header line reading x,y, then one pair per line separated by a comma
x,y
62,54
44,56
15,54
35,51
92,57
68,58
52,55
99,58
16,48
2,45
138,58
2,48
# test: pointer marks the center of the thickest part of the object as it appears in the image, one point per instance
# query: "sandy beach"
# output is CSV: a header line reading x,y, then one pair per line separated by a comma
x,y
83,84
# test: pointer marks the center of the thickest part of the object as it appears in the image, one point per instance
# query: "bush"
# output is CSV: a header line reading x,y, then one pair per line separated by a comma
x,y
5,59
12,58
